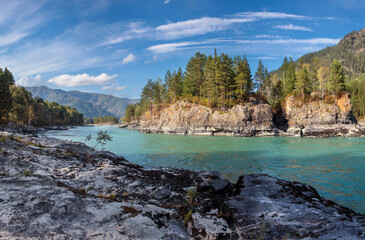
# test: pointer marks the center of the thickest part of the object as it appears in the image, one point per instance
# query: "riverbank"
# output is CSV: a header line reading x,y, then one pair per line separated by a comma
x,y
58,189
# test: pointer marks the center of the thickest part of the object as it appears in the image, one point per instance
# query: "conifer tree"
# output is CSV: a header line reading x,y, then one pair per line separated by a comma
x,y
209,86
337,78
259,76
6,80
194,75
243,78
303,84
290,77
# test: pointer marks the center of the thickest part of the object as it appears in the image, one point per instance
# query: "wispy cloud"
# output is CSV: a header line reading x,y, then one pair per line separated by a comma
x,y
133,30
67,80
198,26
171,47
166,1
19,19
129,59
294,27
270,15
114,87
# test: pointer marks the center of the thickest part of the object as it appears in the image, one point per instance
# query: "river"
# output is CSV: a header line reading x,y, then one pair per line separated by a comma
x,y
334,166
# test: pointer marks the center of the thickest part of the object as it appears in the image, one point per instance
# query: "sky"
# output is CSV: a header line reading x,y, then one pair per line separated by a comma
x,y
115,46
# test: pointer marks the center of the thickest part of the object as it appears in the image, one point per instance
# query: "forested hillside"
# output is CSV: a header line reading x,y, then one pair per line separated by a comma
x,y
90,104
18,105
350,51
221,81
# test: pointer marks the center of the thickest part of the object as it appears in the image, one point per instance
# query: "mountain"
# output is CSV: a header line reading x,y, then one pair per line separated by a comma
x,y
90,104
110,103
350,51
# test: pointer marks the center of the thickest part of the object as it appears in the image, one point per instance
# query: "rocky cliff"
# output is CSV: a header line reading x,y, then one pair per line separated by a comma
x,y
251,119
53,189
321,119
313,119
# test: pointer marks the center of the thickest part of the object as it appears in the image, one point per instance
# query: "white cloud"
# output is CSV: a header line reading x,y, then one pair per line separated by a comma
x,y
294,27
108,87
120,88
270,15
129,59
166,1
30,81
192,27
134,30
171,47
114,87
267,36
67,80
195,27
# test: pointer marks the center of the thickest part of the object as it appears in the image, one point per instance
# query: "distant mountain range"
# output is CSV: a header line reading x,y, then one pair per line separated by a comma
x,y
90,104
350,51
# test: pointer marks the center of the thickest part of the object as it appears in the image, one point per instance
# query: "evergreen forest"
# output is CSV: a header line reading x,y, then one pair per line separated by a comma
x,y
221,81
19,106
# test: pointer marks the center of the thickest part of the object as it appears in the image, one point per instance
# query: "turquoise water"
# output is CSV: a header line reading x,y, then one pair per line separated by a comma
x,y
334,166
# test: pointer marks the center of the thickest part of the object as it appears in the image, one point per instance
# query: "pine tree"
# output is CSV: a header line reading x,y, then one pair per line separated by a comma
x,y
243,78
209,86
259,76
290,77
168,91
337,78
283,73
177,84
323,76
6,80
194,75
303,84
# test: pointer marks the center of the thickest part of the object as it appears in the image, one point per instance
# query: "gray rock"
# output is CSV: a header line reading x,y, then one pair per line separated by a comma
x,y
59,191
161,194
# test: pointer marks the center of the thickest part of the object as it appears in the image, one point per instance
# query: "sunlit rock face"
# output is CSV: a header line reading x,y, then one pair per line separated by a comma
x,y
321,119
187,118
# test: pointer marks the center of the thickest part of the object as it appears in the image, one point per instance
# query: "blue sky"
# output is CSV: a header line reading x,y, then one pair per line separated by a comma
x,y
114,47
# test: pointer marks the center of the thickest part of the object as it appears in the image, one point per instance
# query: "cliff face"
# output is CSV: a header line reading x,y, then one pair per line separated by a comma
x,y
319,119
187,118
314,119
318,112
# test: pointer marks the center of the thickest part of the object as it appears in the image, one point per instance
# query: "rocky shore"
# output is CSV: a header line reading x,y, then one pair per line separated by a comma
x,y
314,119
29,129
54,189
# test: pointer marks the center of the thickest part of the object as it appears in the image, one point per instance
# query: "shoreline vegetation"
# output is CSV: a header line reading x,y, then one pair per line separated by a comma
x,y
18,106
44,181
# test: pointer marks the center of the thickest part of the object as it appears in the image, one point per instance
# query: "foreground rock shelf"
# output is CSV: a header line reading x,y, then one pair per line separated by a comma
x,y
54,189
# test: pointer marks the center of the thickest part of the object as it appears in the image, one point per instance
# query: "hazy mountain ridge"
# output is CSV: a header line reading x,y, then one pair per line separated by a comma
x,y
90,104
350,51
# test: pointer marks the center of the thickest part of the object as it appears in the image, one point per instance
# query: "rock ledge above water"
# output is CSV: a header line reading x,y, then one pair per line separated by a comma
x,y
54,189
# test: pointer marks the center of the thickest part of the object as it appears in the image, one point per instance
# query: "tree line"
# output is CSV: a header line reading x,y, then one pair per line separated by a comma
x,y
101,119
221,81
19,106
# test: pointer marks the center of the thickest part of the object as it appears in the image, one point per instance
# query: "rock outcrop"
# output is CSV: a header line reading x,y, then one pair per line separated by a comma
x,y
313,119
320,119
252,119
54,189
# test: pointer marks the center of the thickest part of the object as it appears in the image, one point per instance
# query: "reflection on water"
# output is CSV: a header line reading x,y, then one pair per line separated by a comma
x,y
334,166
